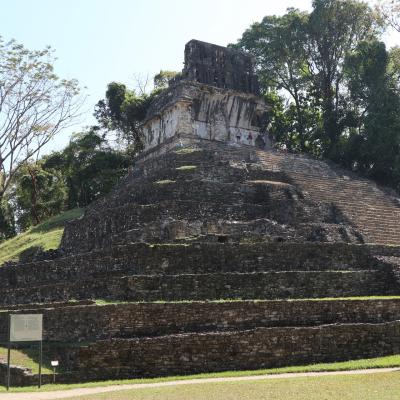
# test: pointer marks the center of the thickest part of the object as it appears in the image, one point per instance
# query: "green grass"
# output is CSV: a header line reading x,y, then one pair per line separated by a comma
x,y
46,235
102,302
380,386
380,362
187,150
164,182
186,168
27,358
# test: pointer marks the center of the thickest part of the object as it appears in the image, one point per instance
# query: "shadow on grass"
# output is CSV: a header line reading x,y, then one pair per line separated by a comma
x,y
58,221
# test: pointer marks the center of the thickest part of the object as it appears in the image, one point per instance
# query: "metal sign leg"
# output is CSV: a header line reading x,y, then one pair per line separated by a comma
x,y
40,362
8,353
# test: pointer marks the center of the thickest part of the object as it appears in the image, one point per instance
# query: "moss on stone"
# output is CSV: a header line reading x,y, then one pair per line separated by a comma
x,y
186,168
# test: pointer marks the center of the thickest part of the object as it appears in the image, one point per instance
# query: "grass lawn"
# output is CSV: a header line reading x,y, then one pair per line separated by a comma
x,y
26,358
46,235
380,362
380,386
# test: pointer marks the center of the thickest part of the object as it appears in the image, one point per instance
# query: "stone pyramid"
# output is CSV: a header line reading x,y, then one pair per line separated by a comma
x,y
217,252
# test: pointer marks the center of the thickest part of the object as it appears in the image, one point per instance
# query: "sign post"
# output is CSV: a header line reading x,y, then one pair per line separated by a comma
x,y
25,328
8,353
54,364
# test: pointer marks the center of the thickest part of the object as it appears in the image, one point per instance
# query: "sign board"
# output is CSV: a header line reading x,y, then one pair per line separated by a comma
x,y
26,327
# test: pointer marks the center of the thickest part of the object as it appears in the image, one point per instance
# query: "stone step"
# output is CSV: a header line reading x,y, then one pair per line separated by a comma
x,y
175,258
226,351
128,320
265,192
227,172
256,285
96,230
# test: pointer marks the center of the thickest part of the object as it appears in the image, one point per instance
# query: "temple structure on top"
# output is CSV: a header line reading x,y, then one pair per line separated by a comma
x,y
216,97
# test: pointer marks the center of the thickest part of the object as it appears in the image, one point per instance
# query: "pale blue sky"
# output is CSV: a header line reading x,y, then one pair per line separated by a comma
x,y
99,41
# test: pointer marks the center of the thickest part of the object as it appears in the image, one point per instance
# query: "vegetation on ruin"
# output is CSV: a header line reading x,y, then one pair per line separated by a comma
x,y
186,168
186,150
164,182
102,302
123,109
381,362
44,236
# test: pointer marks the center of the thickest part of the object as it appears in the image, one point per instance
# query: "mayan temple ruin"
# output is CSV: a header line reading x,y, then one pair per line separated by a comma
x,y
216,252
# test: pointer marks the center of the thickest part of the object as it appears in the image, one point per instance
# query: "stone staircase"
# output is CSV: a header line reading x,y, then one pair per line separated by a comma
x,y
373,210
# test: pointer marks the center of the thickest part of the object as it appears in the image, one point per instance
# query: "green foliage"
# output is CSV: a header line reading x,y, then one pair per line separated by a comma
x,y
335,28
279,45
162,79
332,88
123,110
7,222
35,105
89,167
38,194
375,148
86,169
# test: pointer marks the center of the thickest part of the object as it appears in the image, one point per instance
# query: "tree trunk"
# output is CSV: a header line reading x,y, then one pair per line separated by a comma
x,y
34,196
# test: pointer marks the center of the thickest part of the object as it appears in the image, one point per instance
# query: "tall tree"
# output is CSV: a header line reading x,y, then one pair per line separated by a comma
x,y
375,149
35,105
7,220
390,11
122,111
335,28
37,194
278,44
301,55
90,168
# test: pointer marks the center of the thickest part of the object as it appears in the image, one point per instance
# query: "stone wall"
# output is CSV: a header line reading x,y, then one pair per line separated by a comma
x,y
208,113
88,323
216,98
219,351
254,285
220,66
202,271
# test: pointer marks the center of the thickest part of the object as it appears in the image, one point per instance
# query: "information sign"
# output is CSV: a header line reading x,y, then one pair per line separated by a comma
x,y
26,327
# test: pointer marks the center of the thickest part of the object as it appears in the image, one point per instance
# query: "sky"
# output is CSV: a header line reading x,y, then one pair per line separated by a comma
x,y
100,41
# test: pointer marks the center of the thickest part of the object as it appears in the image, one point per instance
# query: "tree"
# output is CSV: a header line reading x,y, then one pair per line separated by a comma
x,y
89,167
123,110
375,148
335,28
37,194
301,55
35,105
390,11
162,79
278,44
7,220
